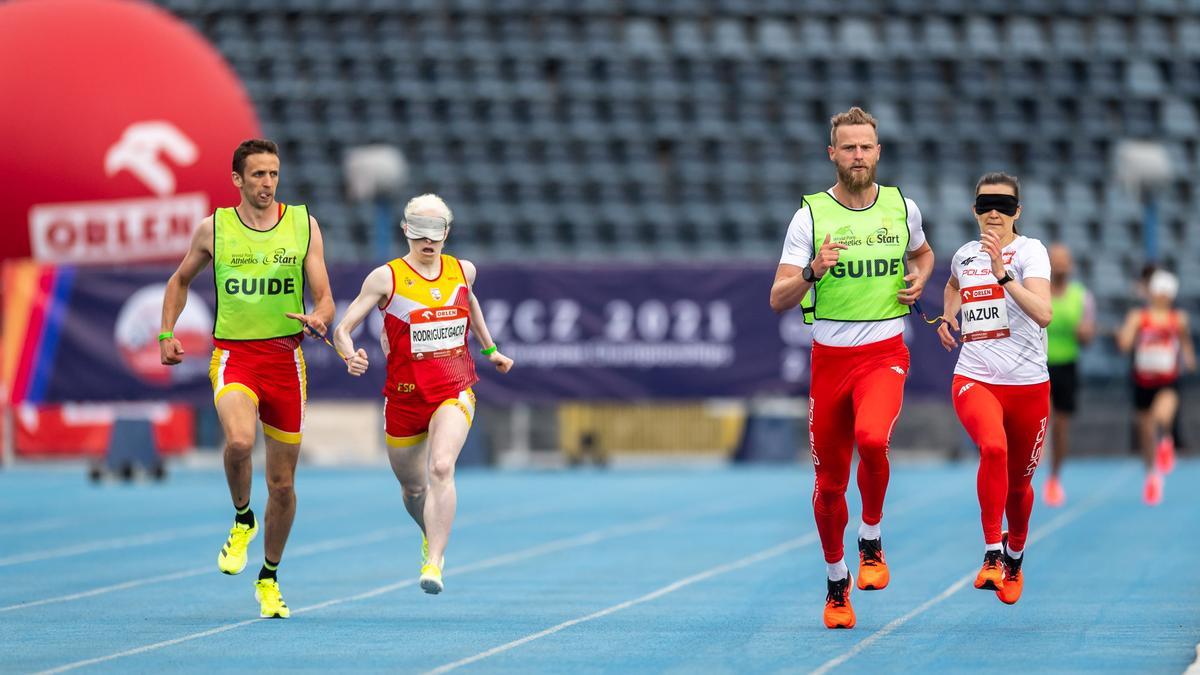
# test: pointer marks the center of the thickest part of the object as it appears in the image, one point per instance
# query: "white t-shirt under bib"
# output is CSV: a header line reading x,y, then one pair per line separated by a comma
x,y
798,251
1019,357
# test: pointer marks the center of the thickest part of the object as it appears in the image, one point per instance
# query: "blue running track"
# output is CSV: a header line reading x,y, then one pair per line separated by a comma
x,y
666,570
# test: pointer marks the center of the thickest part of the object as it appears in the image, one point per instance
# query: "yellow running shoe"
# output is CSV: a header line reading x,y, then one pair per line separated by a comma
x,y
271,604
431,579
232,558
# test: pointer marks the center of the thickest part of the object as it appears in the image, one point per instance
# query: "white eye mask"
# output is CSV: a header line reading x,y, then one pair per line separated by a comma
x,y
433,228
1163,282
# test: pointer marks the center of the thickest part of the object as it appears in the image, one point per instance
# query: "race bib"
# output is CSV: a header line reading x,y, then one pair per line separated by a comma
x,y
1155,359
438,333
984,314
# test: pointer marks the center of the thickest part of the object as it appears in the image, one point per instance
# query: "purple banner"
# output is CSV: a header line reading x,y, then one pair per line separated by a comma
x,y
575,332
615,332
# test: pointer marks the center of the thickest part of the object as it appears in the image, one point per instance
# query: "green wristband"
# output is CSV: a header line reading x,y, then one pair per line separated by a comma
x,y
489,351
165,335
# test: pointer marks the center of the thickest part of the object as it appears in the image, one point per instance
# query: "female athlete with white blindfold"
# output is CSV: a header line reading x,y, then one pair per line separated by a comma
x,y
428,307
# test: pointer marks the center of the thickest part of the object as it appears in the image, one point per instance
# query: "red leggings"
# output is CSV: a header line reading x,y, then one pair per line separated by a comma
x,y
1008,423
855,398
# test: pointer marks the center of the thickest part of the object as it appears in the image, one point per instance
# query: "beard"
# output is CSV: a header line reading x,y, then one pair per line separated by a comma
x,y
856,182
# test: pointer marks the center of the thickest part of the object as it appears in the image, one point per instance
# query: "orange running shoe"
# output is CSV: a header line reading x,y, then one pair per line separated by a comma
x,y
1014,581
1053,493
872,568
1164,455
991,576
838,612
1152,493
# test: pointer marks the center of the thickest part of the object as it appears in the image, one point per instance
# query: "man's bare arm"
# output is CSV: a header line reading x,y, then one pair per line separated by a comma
x,y
198,257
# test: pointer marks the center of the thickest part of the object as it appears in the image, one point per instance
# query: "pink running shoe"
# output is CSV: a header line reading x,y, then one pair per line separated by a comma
x,y
1164,455
1152,494
1053,494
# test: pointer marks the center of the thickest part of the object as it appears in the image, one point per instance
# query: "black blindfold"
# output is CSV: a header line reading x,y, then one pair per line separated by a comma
x,y
1006,204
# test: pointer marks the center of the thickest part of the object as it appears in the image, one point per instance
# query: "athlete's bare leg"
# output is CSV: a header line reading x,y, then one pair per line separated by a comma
x,y
447,432
1060,431
411,466
1146,437
1162,409
239,421
281,495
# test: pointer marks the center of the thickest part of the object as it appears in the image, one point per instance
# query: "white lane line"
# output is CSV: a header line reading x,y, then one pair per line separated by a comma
x,y
336,544
133,540
588,538
37,525
767,554
1194,669
1039,534
108,544
903,507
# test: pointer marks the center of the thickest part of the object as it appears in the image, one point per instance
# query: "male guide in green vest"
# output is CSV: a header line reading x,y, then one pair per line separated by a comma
x,y
264,254
854,254
864,284
259,275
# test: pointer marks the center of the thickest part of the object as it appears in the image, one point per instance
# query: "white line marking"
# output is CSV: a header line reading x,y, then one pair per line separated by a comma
x,y
1194,669
1049,528
767,554
134,583
108,544
585,539
338,543
37,525
134,540
909,505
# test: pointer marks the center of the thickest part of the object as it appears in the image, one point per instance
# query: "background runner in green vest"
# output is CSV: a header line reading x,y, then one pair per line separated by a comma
x,y
853,243
1073,326
264,254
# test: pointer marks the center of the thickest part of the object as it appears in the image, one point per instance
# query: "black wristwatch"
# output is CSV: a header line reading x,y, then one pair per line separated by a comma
x,y
808,274
1004,279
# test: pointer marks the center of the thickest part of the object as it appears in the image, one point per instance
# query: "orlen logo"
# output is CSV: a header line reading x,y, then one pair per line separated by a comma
x,y
427,314
136,336
140,152
127,229
444,313
99,166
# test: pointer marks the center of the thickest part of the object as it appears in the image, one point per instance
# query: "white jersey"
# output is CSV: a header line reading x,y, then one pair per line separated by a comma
x,y
798,251
1001,344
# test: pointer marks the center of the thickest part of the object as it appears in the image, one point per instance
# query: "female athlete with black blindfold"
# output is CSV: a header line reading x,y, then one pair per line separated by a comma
x,y
1001,286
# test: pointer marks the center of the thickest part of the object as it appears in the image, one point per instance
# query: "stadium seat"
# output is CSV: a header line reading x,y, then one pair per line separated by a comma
x,y
688,112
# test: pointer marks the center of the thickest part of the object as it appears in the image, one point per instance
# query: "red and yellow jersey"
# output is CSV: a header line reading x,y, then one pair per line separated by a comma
x,y
425,324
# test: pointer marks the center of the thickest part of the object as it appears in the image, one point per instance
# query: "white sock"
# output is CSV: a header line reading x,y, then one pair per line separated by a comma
x,y
868,532
993,547
837,571
1015,555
